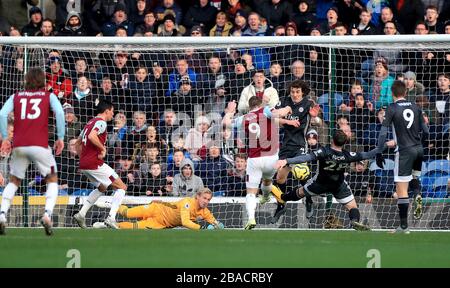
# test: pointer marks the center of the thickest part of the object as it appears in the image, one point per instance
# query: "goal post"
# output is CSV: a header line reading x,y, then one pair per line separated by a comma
x,y
195,77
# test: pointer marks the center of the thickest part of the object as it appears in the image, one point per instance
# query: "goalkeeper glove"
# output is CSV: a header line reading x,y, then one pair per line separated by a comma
x,y
207,226
380,160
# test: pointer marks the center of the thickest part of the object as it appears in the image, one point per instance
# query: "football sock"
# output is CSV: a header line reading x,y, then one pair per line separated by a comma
x,y
250,204
266,189
50,197
403,204
93,196
354,215
8,195
329,202
414,184
116,201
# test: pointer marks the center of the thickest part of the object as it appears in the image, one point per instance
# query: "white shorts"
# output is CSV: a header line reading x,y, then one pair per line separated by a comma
x,y
42,157
261,167
103,175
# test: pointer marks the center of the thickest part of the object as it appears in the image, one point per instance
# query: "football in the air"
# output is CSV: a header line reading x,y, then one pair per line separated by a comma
x,y
300,171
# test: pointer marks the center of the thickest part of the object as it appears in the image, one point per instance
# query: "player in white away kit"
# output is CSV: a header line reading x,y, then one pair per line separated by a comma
x,y
91,143
30,142
262,142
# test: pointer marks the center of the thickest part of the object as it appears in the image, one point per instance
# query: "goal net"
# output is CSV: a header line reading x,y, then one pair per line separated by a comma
x,y
170,95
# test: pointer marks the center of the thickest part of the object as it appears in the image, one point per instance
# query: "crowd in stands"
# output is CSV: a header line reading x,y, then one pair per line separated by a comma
x,y
167,139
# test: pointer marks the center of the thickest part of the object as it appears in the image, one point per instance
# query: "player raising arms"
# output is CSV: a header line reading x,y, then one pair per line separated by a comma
x,y
91,142
407,121
30,142
262,141
333,161
160,215
295,127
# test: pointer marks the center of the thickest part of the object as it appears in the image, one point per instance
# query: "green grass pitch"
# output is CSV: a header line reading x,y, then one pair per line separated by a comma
x,y
227,248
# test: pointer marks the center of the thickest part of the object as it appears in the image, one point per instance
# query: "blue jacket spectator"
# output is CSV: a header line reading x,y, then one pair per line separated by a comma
x,y
119,19
213,170
182,68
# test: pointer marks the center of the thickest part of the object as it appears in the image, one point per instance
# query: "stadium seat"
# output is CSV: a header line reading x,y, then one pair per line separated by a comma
x,y
438,166
63,192
81,192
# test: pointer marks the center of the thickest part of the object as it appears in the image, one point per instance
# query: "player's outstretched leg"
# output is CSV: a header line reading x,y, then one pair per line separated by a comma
x,y
309,207
119,194
80,217
280,211
355,217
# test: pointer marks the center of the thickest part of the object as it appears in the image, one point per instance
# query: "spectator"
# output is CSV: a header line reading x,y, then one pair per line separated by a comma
x,y
119,19
303,18
174,161
332,19
380,91
198,137
73,27
233,6
129,174
153,139
186,183
151,153
73,126
169,27
169,129
213,169
182,69
33,27
47,28
297,69
360,117
388,16
138,15
202,14
240,23
214,81
239,77
413,88
371,133
154,182
408,13
291,29
255,28
58,81
277,77
137,134
168,6
364,27
349,101
277,12
260,87
349,11
81,69
432,19
442,102
117,136
141,91
108,91
149,24
118,71
236,178
223,27
83,101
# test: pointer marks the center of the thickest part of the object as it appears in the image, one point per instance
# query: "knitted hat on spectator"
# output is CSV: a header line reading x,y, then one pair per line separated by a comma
x,y
68,109
383,62
197,28
185,79
335,9
169,17
34,10
410,75
240,61
292,25
120,7
312,134
242,13
317,27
